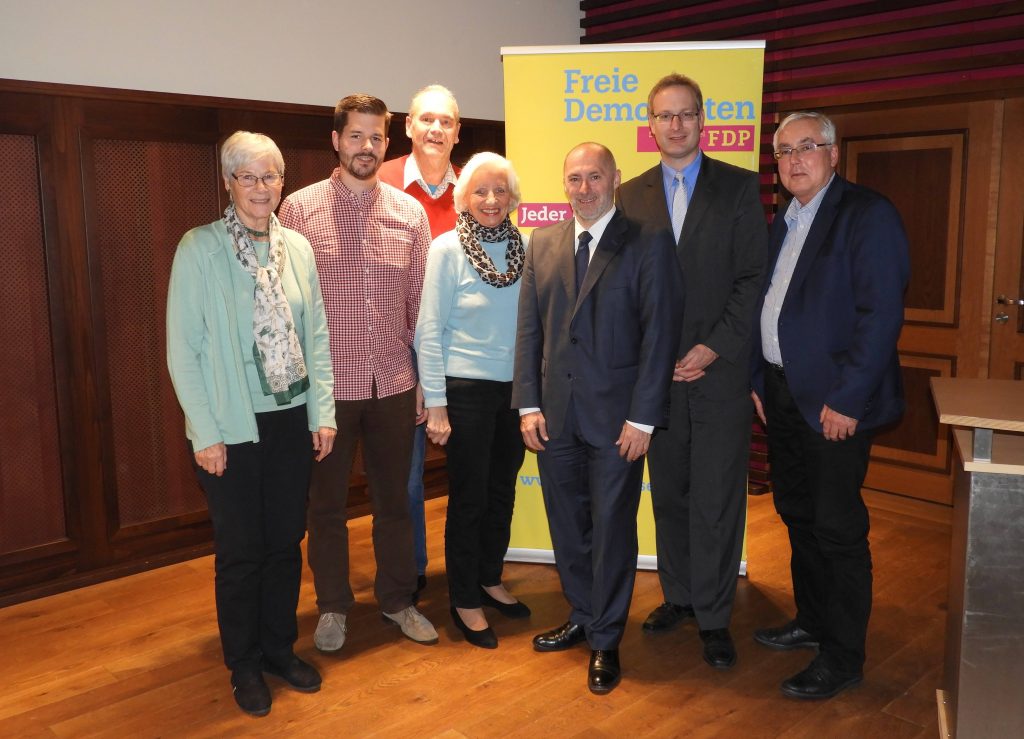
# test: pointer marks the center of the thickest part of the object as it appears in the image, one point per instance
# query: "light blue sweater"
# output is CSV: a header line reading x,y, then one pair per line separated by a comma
x,y
466,328
205,353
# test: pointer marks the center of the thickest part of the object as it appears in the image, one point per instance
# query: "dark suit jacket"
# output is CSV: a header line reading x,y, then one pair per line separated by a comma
x,y
843,310
722,251
613,346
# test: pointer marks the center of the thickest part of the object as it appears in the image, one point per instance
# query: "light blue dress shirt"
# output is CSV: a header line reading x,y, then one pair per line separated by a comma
x,y
798,222
690,173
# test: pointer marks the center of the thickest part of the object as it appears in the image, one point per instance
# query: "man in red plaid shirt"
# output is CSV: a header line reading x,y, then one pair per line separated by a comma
x,y
370,241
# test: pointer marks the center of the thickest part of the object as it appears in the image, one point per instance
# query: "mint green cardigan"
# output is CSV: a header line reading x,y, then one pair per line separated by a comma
x,y
204,354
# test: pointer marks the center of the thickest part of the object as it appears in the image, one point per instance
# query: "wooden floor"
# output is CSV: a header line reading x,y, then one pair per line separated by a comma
x,y
140,657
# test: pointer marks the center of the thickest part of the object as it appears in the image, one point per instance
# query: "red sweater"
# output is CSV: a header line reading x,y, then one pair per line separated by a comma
x,y
440,211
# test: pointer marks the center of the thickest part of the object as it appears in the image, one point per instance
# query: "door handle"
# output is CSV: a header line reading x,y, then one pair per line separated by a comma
x,y
1002,318
1003,300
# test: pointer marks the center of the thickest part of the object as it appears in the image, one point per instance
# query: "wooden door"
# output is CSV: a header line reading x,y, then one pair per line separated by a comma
x,y
40,525
1007,307
939,164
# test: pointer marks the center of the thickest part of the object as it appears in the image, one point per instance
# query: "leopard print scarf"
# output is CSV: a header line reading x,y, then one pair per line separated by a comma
x,y
471,233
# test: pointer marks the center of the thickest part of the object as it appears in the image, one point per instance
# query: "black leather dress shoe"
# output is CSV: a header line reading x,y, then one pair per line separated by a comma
x,y
604,673
719,651
251,692
564,637
485,638
508,610
818,681
299,675
667,615
786,637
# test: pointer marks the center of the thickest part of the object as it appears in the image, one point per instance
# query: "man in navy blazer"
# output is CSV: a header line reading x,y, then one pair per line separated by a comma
x,y
711,213
596,339
826,375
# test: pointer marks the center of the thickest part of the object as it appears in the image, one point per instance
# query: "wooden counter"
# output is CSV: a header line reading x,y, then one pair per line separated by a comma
x,y
1007,453
989,404
984,406
984,646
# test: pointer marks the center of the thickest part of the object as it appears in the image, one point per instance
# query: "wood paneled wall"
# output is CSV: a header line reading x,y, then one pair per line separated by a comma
x,y
825,52
840,55
98,186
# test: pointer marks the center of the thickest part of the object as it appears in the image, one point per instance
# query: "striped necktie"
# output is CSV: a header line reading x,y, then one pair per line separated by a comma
x,y
678,205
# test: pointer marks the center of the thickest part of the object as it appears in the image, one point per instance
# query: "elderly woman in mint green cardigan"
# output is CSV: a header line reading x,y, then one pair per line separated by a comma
x,y
249,357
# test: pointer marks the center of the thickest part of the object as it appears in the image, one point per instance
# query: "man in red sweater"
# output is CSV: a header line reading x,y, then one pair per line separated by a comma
x,y
428,175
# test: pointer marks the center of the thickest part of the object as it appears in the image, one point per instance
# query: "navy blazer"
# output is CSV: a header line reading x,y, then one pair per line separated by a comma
x,y
842,314
613,346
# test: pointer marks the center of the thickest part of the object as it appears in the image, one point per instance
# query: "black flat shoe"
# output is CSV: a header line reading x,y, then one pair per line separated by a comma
x,y
299,675
485,638
789,636
719,651
251,692
508,610
818,681
666,616
604,673
565,636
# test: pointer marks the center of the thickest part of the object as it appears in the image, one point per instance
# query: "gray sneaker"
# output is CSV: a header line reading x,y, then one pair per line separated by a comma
x,y
413,624
330,632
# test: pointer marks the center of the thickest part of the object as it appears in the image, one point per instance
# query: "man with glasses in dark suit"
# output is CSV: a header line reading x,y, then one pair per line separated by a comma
x,y
826,375
711,213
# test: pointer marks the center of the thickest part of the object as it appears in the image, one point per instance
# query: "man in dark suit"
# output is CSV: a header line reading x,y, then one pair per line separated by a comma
x,y
711,213
597,331
826,367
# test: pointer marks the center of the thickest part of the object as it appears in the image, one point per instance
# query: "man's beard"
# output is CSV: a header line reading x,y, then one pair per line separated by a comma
x,y
361,173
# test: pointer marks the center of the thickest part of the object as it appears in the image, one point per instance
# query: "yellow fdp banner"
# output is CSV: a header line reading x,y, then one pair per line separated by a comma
x,y
559,96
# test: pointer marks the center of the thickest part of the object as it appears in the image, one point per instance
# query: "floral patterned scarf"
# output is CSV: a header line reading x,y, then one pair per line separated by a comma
x,y
276,346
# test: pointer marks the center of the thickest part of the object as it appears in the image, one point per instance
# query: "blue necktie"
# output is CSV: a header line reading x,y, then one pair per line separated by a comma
x,y
678,206
582,259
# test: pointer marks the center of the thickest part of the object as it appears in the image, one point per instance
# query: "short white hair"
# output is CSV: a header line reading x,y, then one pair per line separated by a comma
x,y
434,88
466,176
243,147
825,124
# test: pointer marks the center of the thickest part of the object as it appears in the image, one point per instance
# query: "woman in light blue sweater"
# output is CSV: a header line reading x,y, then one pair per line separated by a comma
x,y
249,357
465,342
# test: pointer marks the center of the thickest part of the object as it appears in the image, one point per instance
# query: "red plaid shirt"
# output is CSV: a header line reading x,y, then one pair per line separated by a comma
x,y
370,252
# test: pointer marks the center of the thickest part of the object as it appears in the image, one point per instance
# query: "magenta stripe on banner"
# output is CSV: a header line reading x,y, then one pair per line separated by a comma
x,y
713,138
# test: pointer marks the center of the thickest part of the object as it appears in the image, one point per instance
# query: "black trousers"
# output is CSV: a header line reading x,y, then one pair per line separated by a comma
x,y
817,493
258,510
591,496
699,495
485,452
